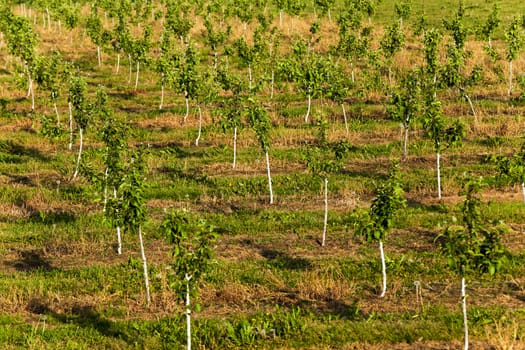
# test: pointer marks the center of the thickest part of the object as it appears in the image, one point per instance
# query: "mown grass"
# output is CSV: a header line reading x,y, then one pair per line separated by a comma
x,y
272,286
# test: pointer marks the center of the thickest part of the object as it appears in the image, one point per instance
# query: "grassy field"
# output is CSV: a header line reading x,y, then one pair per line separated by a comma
x,y
271,286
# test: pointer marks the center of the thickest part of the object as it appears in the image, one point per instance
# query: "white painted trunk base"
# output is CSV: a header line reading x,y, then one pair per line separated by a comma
x,y
325,224
464,308
383,268
269,176
145,267
80,132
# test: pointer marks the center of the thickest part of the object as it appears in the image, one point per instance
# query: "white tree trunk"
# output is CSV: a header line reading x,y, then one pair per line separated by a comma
x,y
383,268
161,93
200,126
438,167
55,108
269,176
118,63
344,116
105,190
510,79
56,113
98,56
325,223
70,145
48,19
309,107
137,75
145,267
80,133
234,147
187,278
130,70
523,190
472,108
405,143
464,307
119,238
32,90
272,83
26,69
187,101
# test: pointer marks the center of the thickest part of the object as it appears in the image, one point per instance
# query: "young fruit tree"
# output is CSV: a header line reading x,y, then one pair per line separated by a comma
x,y
403,11
165,63
186,76
139,52
21,43
375,224
486,30
475,247
353,42
81,110
50,73
514,39
206,90
310,72
391,43
178,19
215,38
453,74
132,209
114,137
121,41
192,254
431,41
436,129
338,89
234,109
325,6
322,160
248,55
261,124
94,30
404,104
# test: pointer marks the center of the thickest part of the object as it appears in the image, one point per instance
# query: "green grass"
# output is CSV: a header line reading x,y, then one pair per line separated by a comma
x,y
272,286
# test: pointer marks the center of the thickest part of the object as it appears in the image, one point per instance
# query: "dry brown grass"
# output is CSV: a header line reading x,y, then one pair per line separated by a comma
x,y
319,287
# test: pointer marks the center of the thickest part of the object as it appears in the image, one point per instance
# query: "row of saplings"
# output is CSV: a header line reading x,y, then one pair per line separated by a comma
x,y
472,248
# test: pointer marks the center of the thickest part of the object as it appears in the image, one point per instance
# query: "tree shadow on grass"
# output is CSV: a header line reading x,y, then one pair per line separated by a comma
x,y
31,260
281,260
16,149
84,316
325,305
